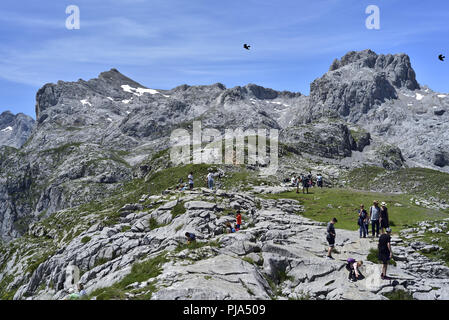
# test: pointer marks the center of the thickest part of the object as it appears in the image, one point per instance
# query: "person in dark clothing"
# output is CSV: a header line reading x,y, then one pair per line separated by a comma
x,y
362,221
353,267
383,220
385,253
190,237
330,237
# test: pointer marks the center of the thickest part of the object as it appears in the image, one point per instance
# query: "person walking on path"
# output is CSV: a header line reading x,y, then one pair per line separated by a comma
x,y
383,220
362,222
190,178
330,237
374,213
385,252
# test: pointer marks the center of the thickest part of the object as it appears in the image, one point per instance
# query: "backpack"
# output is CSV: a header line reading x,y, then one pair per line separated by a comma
x,y
192,237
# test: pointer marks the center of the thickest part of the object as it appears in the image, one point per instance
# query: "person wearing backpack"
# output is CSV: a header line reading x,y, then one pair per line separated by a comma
x,y
353,267
330,237
305,183
374,213
362,221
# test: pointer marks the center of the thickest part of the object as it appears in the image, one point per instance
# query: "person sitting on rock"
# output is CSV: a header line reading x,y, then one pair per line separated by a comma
x,y
82,293
238,218
229,228
190,237
352,266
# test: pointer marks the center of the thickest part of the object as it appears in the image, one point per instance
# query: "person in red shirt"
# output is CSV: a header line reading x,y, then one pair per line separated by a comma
x,y
239,220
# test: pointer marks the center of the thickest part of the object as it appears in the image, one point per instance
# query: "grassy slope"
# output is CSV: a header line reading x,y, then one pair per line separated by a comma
x,y
345,203
414,181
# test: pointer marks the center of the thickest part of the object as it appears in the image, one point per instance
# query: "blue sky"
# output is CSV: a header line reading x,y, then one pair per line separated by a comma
x,y
165,43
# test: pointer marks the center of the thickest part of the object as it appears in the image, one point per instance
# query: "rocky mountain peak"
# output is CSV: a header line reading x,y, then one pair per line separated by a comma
x,y
397,67
15,129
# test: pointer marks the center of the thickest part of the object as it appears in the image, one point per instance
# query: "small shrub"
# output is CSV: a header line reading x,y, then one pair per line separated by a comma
x,y
178,210
85,239
399,295
373,256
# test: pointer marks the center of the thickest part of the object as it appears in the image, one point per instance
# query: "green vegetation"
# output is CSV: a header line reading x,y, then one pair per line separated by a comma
x,y
324,204
167,178
196,245
398,295
441,239
373,256
420,182
178,210
125,228
153,224
85,239
140,271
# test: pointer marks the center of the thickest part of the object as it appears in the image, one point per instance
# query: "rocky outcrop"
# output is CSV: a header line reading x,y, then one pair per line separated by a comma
x,y
15,129
277,254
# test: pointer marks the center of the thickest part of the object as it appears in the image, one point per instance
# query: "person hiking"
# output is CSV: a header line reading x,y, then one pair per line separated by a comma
x,y
238,219
309,177
330,237
190,178
190,237
210,180
229,228
385,252
319,180
374,213
383,220
305,183
353,267
362,221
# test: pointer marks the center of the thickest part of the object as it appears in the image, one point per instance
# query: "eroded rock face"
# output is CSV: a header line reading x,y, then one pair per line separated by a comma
x,y
15,129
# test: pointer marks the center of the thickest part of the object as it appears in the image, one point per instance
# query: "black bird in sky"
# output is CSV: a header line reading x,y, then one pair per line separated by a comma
x,y
246,46
441,57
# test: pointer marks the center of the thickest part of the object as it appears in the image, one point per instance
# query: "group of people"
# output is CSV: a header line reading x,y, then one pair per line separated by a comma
x,y
384,248
377,217
76,295
181,186
306,181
